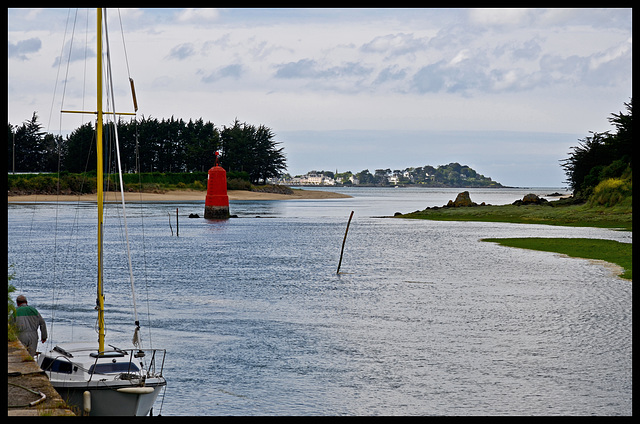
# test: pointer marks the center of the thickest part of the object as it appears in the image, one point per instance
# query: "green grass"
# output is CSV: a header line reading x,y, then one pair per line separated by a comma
x,y
606,250
571,215
555,213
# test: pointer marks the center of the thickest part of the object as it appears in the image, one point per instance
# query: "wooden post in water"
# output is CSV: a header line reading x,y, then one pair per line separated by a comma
x,y
343,242
177,224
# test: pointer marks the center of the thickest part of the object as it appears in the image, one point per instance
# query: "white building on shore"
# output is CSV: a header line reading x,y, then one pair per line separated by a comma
x,y
313,178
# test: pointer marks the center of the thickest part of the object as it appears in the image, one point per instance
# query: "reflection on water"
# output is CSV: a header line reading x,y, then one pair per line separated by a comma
x,y
426,318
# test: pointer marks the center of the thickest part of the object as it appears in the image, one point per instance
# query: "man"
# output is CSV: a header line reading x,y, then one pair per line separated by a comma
x,y
28,319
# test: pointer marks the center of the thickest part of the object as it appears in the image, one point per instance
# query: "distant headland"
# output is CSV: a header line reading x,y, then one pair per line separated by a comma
x,y
451,175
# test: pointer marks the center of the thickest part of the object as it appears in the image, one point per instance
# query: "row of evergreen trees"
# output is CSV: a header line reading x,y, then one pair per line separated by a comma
x,y
149,145
601,157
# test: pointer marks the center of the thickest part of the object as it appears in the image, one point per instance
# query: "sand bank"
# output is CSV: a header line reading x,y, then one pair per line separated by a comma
x,y
184,195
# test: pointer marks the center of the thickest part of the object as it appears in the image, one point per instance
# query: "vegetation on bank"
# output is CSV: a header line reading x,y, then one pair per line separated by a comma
x,y
12,331
602,157
149,145
85,183
560,212
605,250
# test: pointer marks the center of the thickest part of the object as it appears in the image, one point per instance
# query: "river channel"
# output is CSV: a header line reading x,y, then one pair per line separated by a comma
x,y
424,319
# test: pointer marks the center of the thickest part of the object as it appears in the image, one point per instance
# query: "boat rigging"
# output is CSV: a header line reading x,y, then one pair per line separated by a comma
x,y
90,376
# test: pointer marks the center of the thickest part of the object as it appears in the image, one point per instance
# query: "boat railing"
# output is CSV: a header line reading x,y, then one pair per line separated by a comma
x,y
142,363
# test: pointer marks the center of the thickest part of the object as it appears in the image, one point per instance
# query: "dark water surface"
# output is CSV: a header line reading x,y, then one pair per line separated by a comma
x,y
426,319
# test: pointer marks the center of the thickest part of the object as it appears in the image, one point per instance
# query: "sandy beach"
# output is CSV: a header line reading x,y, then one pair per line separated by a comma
x,y
185,195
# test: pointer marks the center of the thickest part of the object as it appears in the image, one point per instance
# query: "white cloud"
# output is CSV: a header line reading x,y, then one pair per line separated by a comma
x,y
22,49
499,17
33,14
393,45
233,71
182,51
200,15
462,55
621,51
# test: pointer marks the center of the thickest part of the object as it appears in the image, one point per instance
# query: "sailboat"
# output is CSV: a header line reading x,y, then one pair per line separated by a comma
x,y
95,377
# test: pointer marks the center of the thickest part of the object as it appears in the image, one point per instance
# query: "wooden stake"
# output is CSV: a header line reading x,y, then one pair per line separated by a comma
x,y
343,242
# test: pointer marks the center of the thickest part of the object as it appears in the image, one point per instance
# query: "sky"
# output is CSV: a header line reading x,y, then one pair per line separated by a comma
x,y
508,92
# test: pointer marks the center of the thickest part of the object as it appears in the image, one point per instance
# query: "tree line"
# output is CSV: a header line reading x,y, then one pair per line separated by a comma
x,y
602,157
149,145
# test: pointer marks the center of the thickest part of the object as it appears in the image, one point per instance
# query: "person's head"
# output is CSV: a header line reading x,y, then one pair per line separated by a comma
x,y
21,300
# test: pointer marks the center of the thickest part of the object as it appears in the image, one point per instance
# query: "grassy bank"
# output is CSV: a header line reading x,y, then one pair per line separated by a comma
x,y
605,250
619,216
559,212
151,182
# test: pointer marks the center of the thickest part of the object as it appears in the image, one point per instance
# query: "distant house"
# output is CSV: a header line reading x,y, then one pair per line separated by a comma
x,y
316,179
312,178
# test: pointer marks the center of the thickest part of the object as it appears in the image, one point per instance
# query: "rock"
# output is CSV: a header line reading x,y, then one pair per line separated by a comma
x,y
462,200
530,199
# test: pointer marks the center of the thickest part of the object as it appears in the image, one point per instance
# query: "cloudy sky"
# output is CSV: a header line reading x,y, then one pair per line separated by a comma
x,y
505,91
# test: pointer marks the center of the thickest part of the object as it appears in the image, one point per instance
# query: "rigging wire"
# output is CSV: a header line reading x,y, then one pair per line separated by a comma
x,y
55,235
124,45
72,248
136,339
138,171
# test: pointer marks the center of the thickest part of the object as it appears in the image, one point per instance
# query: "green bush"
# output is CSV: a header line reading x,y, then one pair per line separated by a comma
x,y
238,184
12,331
610,192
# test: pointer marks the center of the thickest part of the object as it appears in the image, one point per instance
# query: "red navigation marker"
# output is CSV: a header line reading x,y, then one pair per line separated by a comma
x,y
216,205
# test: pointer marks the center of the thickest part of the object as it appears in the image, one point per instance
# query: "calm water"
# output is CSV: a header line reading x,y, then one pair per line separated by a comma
x,y
425,320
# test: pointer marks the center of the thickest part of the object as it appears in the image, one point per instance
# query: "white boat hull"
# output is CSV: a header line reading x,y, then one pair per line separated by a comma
x,y
106,400
114,382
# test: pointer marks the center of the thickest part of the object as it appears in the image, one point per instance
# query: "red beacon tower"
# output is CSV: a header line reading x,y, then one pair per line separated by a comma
x,y
216,205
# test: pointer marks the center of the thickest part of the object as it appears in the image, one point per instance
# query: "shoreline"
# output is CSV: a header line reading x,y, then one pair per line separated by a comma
x,y
177,195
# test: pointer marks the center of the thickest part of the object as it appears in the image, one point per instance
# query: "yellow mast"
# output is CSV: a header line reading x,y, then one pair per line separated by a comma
x,y
99,178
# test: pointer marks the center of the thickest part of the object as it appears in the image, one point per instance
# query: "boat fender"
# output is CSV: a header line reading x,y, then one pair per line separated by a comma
x,y
136,390
86,401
